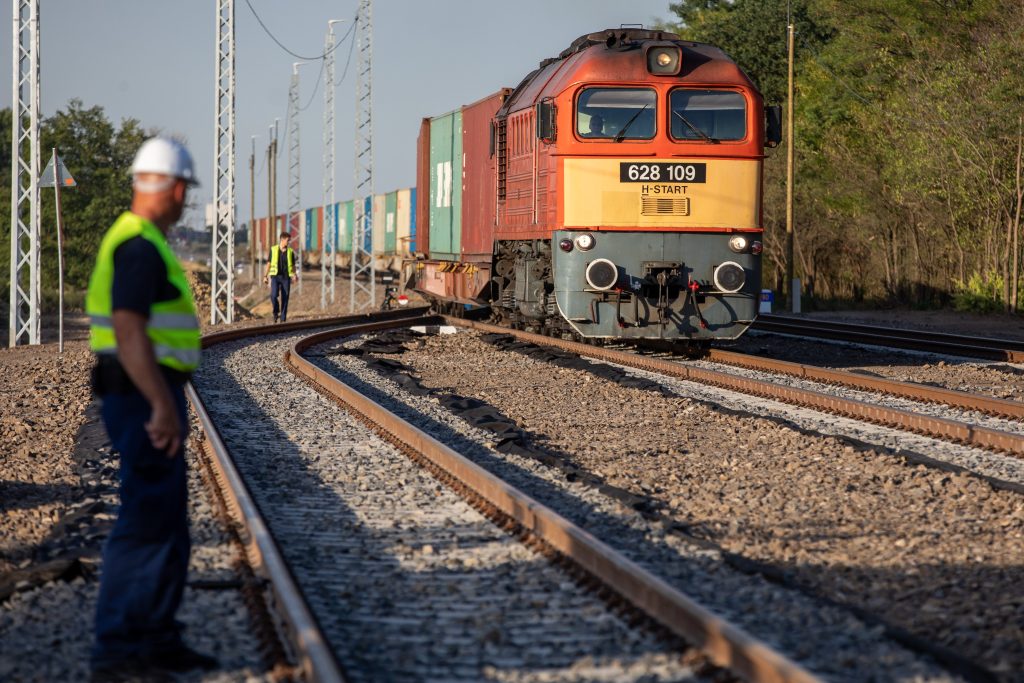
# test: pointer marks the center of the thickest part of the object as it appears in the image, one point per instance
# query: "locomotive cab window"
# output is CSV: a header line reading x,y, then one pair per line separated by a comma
x,y
709,115
616,113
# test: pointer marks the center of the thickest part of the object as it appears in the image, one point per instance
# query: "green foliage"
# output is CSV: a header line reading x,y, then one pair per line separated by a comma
x,y
909,116
982,293
99,156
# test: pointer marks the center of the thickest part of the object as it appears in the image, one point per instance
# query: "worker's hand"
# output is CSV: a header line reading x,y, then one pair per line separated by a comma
x,y
164,429
295,278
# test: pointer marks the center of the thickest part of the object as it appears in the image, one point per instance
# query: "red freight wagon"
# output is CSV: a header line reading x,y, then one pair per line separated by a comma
x,y
478,197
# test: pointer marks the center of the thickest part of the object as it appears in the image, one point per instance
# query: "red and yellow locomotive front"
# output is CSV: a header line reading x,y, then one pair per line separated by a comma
x,y
626,185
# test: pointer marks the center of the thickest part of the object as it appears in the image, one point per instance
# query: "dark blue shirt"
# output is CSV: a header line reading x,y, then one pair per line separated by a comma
x,y
140,277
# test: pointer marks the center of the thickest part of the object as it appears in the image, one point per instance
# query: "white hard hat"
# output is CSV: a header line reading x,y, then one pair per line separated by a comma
x,y
164,157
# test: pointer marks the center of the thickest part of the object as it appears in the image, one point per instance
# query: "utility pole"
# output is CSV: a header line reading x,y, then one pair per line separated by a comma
x,y
363,292
254,247
222,261
327,247
295,222
272,228
25,155
791,281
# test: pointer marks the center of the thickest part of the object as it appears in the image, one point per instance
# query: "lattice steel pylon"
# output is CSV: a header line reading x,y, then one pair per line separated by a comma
x,y
25,267
327,246
295,216
363,292
222,277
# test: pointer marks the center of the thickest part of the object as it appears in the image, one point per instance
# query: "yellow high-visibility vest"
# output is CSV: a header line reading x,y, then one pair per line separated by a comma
x,y
273,262
172,326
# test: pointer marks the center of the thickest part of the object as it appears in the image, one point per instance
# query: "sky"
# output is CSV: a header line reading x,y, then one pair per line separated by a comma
x,y
153,61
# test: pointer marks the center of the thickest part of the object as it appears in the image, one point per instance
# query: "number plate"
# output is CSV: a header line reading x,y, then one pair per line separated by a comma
x,y
662,172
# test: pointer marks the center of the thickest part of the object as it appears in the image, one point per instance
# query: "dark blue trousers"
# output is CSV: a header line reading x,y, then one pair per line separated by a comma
x,y
280,284
145,559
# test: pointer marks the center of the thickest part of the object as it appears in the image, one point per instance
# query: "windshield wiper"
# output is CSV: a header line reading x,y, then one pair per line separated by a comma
x,y
694,128
622,133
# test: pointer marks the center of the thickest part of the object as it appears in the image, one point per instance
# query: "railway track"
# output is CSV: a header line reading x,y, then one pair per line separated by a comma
x,y
574,472
957,431
932,342
340,516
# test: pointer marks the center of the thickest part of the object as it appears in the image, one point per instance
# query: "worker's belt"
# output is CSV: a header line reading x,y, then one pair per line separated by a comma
x,y
109,376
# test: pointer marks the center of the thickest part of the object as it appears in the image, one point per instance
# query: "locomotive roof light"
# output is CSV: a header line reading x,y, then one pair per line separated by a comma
x,y
738,243
729,277
664,59
602,274
585,242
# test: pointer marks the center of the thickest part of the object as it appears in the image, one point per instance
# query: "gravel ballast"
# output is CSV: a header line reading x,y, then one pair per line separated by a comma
x,y
825,639
408,580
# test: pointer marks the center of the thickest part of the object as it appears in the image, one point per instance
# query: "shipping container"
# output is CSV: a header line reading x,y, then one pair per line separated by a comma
x,y
391,222
413,222
421,202
404,218
478,190
379,217
309,230
344,227
446,186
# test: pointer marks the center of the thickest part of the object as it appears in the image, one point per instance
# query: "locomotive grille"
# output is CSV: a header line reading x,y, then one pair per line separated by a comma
x,y
664,206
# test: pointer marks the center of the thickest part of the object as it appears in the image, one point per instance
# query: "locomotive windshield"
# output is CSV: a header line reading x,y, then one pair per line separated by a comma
x,y
710,115
616,113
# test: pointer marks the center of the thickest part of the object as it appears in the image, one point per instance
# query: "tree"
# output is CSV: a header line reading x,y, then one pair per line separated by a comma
x,y
99,156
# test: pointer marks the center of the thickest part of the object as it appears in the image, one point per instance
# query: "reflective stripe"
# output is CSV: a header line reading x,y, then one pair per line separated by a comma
x,y
172,321
187,356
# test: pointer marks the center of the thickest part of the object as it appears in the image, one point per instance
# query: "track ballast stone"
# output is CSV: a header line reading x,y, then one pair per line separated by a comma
x,y
407,579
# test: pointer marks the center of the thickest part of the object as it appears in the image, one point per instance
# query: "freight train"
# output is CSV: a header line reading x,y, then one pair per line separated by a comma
x,y
392,229
615,193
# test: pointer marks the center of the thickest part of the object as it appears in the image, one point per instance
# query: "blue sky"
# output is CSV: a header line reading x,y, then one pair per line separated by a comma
x,y
154,61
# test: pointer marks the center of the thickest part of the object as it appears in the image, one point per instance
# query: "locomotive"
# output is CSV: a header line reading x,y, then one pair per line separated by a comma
x,y
615,193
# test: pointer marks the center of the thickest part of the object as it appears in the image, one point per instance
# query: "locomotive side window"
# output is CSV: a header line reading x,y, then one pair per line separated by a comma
x,y
709,115
616,113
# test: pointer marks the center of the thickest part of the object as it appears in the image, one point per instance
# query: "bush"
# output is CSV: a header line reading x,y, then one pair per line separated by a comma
x,y
982,293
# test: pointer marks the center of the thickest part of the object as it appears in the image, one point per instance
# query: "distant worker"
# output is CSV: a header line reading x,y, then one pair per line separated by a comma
x,y
144,331
596,127
280,277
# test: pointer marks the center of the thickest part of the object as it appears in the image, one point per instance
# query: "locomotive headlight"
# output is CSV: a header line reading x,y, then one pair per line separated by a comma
x,y
664,60
565,244
756,248
586,241
729,277
738,243
602,274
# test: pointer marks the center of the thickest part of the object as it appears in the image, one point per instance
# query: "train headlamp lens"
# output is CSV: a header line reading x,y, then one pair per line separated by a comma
x,y
602,274
586,242
738,243
729,277
565,244
664,60
756,248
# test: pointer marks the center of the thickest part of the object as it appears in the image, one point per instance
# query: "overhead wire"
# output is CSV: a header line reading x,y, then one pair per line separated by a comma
x,y
282,45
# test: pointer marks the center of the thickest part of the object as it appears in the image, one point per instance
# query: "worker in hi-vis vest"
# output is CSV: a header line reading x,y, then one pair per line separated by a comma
x,y
145,335
281,274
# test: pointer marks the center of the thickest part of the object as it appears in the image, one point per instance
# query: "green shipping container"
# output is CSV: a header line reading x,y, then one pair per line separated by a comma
x,y
346,220
445,195
390,222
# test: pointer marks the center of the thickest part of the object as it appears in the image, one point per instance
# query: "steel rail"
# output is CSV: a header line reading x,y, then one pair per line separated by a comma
x,y
921,392
725,644
952,430
936,342
316,659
